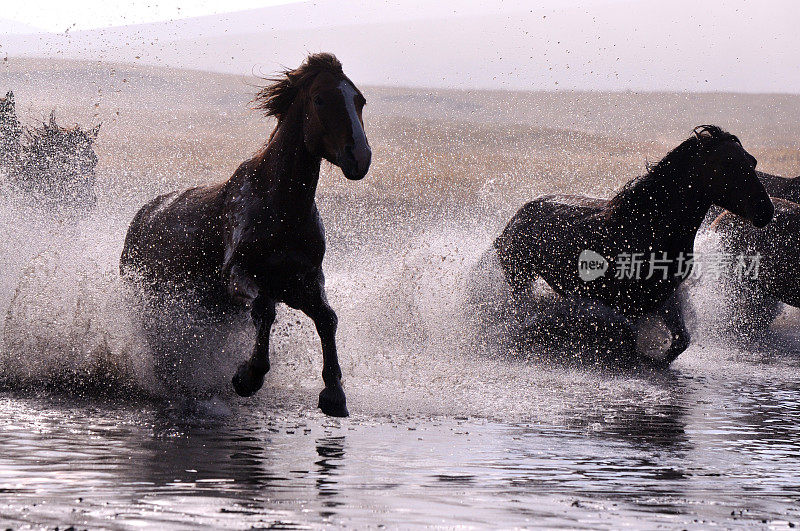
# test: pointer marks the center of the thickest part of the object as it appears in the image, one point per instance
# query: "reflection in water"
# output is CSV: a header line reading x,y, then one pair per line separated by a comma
x,y
700,446
331,453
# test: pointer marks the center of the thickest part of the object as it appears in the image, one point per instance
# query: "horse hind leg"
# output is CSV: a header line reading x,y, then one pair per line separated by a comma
x,y
249,376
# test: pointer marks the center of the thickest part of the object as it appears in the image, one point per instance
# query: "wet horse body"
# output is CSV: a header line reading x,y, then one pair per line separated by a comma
x,y
756,302
57,166
657,215
787,188
758,295
258,239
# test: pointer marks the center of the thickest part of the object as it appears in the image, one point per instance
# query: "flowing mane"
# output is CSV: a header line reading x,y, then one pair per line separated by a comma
x,y
51,130
677,162
276,98
630,253
57,152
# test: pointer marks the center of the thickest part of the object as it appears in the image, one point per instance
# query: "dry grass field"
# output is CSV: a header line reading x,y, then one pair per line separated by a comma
x,y
165,128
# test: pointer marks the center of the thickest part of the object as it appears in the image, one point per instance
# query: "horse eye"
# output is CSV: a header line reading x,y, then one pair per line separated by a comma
x,y
318,101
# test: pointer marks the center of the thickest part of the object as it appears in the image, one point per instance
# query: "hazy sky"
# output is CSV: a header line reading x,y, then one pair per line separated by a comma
x,y
675,45
59,15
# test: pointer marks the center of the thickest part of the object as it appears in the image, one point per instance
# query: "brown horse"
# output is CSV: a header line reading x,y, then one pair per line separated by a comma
x,y
654,217
776,280
258,239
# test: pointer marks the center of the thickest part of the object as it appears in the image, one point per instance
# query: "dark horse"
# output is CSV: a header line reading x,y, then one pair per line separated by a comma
x,y
654,217
787,188
258,239
10,132
53,165
777,247
57,165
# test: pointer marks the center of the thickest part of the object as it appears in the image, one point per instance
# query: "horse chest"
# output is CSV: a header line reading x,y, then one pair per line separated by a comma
x,y
290,258
283,255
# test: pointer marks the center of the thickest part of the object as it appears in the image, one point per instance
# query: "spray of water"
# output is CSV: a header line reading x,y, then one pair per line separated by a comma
x,y
426,327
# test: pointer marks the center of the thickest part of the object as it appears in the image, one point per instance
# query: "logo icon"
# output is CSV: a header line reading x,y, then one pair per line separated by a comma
x,y
591,265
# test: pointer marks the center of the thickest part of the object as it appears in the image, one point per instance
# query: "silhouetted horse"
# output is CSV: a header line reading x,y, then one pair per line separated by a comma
x,y
777,277
53,165
787,188
655,216
258,239
776,186
57,165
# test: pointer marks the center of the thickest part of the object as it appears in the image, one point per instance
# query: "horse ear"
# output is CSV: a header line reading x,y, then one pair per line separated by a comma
x,y
52,123
703,133
10,97
92,133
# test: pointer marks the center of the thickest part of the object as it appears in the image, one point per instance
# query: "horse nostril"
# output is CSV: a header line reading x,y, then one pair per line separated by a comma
x,y
359,156
764,217
366,159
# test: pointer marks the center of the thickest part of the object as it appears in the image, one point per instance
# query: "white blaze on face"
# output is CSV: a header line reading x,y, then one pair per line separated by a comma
x,y
349,93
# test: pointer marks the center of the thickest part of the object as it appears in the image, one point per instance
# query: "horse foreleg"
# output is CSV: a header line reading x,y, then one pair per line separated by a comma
x,y
314,304
250,376
672,314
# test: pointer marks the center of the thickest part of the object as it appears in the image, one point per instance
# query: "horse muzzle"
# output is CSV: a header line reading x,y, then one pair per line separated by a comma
x,y
354,161
761,214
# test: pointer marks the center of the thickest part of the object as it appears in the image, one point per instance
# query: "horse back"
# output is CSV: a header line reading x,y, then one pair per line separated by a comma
x,y
782,187
522,246
777,245
545,211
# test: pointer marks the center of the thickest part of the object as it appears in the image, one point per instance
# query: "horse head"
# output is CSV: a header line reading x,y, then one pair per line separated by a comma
x,y
330,107
727,174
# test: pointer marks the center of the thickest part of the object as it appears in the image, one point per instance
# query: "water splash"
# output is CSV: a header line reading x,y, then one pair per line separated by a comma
x,y
424,328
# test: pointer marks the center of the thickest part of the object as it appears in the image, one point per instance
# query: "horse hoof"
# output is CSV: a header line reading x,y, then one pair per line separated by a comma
x,y
332,402
247,381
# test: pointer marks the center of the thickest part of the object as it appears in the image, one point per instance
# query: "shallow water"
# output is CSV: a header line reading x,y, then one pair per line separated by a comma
x,y
445,429
715,440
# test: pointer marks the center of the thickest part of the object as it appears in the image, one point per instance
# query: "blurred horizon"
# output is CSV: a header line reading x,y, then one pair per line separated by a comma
x,y
596,45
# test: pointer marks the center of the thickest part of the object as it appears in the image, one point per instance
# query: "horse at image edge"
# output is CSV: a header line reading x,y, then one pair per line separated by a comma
x,y
657,214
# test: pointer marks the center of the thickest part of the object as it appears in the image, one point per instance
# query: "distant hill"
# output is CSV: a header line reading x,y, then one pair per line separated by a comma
x,y
717,45
8,27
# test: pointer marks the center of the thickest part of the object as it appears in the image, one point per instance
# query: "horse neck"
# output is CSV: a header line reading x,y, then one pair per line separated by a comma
x,y
286,172
667,206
